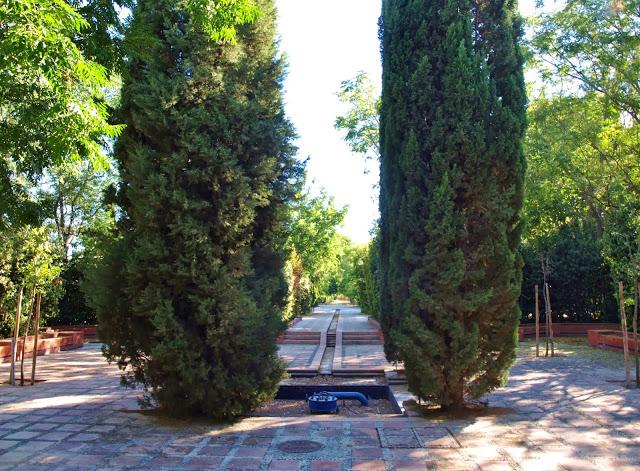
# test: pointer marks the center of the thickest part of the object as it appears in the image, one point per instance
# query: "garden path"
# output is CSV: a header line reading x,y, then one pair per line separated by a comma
x,y
357,340
568,412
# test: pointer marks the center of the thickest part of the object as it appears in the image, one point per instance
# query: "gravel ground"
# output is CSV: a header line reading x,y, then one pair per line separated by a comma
x,y
348,408
328,379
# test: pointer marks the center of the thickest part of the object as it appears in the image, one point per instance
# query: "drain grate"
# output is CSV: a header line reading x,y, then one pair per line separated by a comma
x,y
300,446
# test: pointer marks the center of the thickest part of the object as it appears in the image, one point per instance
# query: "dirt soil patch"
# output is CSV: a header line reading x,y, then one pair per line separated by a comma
x,y
469,411
328,379
299,407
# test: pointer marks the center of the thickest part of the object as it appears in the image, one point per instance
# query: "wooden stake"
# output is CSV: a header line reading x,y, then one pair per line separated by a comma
x,y
550,319
635,333
14,342
26,333
625,335
537,324
35,339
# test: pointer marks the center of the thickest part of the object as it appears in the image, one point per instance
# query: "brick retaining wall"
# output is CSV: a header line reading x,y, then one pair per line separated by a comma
x,y
565,329
90,331
48,342
609,339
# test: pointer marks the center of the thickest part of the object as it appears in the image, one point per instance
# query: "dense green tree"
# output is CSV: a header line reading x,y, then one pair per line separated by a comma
x,y
581,199
194,290
72,305
578,275
452,168
101,39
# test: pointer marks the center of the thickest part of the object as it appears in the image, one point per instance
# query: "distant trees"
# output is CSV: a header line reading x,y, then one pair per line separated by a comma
x,y
361,127
316,250
452,173
360,277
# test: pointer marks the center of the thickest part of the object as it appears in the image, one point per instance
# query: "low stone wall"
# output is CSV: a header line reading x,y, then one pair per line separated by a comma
x,y
48,342
568,329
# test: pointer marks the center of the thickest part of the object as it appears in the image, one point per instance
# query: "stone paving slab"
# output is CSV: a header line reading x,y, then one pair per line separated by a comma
x,y
355,322
317,322
555,414
360,359
297,355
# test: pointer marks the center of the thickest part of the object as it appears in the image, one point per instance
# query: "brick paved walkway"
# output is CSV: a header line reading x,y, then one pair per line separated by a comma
x,y
568,413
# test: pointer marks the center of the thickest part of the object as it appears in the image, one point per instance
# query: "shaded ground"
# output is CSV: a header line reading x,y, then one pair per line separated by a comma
x,y
570,412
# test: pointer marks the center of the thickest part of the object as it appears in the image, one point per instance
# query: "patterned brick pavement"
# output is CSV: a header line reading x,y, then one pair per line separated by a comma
x,y
569,412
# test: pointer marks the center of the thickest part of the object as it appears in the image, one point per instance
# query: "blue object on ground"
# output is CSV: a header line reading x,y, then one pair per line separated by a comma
x,y
323,402
349,395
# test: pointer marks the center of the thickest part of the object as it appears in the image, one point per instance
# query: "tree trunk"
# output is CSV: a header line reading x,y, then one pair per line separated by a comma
x,y
26,333
537,324
455,394
544,266
14,342
625,336
35,339
549,319
635,333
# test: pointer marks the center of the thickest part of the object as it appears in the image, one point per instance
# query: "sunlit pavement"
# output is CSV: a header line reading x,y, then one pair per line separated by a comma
x,y
567,413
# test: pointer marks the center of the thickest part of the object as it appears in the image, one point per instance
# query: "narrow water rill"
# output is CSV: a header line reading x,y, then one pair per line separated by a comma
x,y
326,364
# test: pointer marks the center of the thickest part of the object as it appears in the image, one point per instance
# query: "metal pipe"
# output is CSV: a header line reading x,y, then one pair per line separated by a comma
x,y
350,395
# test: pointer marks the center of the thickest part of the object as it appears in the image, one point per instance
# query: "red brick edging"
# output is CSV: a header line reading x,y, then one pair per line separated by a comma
x,y
48,342
609,339
565,329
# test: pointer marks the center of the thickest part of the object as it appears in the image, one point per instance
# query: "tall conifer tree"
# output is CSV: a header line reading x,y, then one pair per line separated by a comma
x,y
452,170
195,287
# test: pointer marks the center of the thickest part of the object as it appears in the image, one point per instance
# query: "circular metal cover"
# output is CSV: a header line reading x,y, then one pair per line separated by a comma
x,y
300,446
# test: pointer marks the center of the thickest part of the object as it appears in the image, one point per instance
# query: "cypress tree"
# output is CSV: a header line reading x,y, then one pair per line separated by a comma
x,y
452,170
194,286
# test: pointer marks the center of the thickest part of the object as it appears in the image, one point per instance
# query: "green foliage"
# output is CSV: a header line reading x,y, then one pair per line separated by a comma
x,y
101,38
361,123
52,108
595,44
452,168
194,291
219,18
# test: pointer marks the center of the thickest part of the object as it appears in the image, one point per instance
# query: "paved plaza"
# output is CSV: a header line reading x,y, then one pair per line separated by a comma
x,y
569,412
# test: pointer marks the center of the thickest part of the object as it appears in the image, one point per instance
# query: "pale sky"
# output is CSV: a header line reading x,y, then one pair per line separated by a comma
x,y
327,42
